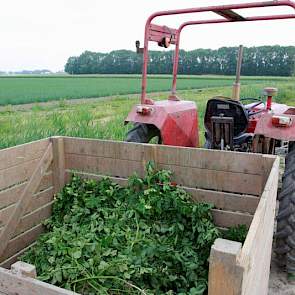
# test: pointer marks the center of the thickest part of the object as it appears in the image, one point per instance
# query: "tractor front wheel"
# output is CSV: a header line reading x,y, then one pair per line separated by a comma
x,y
285,237
143,133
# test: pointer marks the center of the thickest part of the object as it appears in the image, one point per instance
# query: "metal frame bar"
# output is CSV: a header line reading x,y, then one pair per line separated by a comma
x,y
216,9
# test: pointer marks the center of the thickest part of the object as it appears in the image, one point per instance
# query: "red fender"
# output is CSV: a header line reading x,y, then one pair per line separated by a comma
x,y
176,120
266,127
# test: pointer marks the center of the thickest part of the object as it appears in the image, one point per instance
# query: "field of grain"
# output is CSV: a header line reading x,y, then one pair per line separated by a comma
x,y
31,89
104,117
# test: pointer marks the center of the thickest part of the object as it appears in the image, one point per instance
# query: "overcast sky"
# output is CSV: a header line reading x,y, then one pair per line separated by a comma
x,y
38,34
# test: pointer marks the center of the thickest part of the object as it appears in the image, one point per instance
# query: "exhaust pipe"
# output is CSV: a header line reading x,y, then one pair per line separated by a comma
x,y
237,84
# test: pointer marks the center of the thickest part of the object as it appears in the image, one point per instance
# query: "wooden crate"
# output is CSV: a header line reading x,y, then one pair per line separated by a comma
x,y
243,188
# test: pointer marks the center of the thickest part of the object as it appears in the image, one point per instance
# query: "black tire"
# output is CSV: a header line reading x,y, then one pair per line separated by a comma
x,y
143,133
285,236
208,143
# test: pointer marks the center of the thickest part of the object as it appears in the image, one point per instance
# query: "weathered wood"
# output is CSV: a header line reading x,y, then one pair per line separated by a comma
x,y
225,277
58,163
24,269
17,174
38,200
221,200
256,253
225,201
22,241
224,218
186,176
34,218
179,156
14,258
22,153
25,198
12,284
12,194
231,181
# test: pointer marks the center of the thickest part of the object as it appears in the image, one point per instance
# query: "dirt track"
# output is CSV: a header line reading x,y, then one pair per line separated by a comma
x,y
278,284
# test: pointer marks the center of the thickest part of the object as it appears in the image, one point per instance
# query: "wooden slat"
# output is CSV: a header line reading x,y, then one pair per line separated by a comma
x,y
186,176
22,153
38,200
27,226
13,284
7,263
34,218
105,166
228,218
11,195
25,198
225,201
46,181
22,241
58,163
221,200
181,156
17,174
255,256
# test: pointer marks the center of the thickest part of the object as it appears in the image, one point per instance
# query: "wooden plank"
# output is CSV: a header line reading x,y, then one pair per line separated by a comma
x,y
12,194
17,174
24,269
25,198
181,156
58,163
225,277
104,166
260,213
255,256
228,219
46,181
13,284
221,200
267,165
22,241
8,262
38,200
225,201
186,176
22,153
34,218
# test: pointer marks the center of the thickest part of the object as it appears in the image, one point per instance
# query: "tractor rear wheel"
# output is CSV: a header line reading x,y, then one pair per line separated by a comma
x,y
143,133
285,237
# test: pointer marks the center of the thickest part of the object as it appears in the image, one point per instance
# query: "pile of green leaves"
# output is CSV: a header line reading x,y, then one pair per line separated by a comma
x,y
146,238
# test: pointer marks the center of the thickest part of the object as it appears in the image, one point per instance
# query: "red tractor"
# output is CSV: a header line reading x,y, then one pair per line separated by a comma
x,y
258,126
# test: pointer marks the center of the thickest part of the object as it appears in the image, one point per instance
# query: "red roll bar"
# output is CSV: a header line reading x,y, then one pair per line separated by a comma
x,y
157,33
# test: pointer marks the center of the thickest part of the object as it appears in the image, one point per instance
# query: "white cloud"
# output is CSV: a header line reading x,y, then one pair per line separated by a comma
x,y
44,33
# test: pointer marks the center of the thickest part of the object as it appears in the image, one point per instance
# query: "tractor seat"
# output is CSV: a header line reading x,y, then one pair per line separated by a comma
x,y
226,107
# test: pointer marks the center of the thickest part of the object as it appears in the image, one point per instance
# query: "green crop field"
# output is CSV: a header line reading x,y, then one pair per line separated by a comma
x,y
31,89
103,118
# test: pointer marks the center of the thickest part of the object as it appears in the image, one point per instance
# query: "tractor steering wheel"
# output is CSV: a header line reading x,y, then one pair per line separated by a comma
x,y
258,102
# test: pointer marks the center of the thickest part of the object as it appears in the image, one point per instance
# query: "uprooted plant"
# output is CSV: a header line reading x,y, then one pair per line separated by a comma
x,y
145,238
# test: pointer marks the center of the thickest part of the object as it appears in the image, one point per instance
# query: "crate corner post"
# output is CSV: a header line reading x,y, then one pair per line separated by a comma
x,y
58,163
225,275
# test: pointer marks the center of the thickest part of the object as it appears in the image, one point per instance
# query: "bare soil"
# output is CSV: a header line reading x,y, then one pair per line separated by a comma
x,y
278,283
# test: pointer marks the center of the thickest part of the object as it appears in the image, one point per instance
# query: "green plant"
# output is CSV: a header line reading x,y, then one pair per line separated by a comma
x,y
147,238
236,233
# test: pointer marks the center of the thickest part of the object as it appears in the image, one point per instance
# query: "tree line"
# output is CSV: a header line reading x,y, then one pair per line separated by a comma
x,y
257,61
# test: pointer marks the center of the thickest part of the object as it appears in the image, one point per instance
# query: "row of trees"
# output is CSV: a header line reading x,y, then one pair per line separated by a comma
x,y
257,61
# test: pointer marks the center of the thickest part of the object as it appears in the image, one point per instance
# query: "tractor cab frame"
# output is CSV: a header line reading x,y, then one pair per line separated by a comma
x,y
175,121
